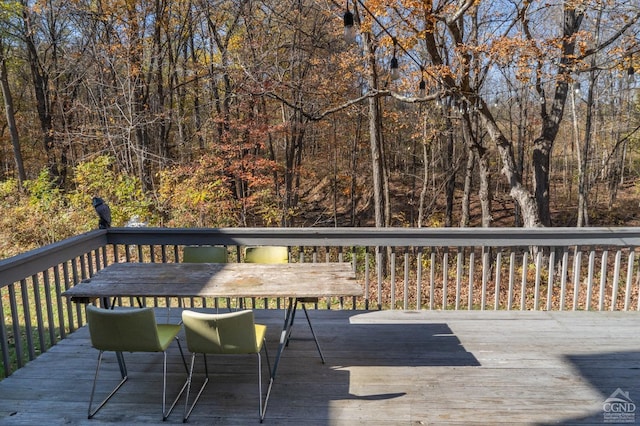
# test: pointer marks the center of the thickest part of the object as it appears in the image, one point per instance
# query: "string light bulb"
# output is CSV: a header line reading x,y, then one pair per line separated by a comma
x,y
395,72
349,28
422,88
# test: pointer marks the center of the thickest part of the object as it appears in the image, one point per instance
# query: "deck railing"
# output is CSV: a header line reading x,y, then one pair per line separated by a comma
x,y
399,268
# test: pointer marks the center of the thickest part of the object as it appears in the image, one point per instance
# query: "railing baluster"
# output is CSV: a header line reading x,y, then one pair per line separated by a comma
x,y
17,336
496,301
627,291
472,264
459,274
105,258
90,264
485,278
406,279
367,279
4,339
512,278
69,304
536,287
563,279
59,303
354,264
393,278
603,278
592,260
39,317
49,309
432,279
616,281
445,277
27,319
577,261
380,267
552,263
419,279
523,283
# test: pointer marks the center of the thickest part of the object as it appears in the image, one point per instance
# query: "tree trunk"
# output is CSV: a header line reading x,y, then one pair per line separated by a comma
x,y
484,193
583,185
543,145
466,194
40,79
518,191
374,137
425,182
11,119
450,171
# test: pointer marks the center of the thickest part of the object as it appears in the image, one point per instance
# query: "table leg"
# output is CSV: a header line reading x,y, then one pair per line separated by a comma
x,y
284,338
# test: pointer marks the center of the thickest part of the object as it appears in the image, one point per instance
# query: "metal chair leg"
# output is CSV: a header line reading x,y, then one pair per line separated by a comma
x,y
113,392
188,409
263,407
123,372
260,412
165,414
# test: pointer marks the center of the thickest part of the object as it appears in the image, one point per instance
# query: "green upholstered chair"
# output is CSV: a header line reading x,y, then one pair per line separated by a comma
x,y
280,254
130,330
266,254
222,334
204,254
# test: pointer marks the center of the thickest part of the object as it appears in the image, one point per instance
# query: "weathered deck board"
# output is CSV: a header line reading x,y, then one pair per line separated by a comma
x,y
388,367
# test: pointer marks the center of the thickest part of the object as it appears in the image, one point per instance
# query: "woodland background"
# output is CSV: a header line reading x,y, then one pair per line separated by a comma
x,y
204,113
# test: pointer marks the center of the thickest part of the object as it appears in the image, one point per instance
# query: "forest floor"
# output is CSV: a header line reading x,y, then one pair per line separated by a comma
x,y
318,207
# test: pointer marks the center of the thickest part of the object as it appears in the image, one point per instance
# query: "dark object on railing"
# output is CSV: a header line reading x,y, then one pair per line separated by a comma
x,y
104,212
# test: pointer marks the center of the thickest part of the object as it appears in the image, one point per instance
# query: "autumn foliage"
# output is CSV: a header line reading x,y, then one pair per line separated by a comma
x,y
206,114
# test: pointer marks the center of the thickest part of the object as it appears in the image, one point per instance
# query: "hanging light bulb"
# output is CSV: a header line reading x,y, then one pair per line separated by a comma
x,y
630,71
349,28
422,88
395,72
576,87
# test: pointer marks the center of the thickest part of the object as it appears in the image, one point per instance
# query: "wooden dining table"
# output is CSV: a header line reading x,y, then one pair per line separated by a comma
x,y
292,281
298,280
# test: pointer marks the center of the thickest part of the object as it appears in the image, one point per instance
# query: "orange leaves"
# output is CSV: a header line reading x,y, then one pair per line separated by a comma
x,y
197,195
509,51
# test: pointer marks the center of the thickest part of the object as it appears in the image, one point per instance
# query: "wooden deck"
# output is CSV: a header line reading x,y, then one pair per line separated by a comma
x,y
388,367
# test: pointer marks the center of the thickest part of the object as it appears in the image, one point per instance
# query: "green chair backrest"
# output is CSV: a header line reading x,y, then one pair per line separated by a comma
x,y
125,330
204,254
266,254
229,333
